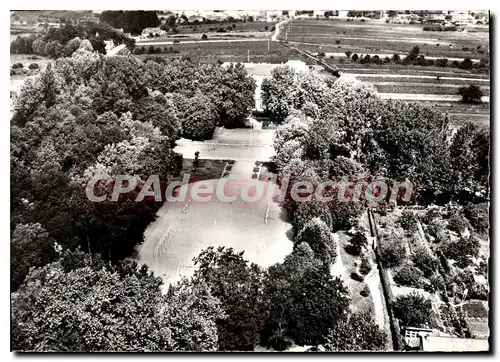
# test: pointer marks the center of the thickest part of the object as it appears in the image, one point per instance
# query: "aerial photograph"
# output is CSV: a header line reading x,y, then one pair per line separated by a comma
x,y
250,180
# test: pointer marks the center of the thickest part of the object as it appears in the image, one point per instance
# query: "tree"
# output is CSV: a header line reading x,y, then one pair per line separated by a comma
x,y
278,93
471,94
466,64
317,234
413,310
204,37
303,301
348,54
357,333
30,246
197,115
91,303
357,243
355,57
237,284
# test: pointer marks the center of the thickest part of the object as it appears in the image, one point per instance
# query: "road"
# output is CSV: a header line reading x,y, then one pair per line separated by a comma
x,y
167,42
427,97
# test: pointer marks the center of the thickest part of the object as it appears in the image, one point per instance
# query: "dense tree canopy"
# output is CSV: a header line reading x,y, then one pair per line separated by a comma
x,y
96,307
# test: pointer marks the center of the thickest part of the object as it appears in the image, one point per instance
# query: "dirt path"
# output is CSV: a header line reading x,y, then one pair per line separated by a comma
x,y
384,75
427,97
337,269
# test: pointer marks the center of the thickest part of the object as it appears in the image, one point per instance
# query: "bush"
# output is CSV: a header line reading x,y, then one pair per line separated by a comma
x,y
357,277
478,216
355,57
33,66
409,276
425,261
413,310
466,64
365,292
457,223
441,62
365,266
204,37
464,247
321,54
408,221
17,65
471,94
393,252
348,54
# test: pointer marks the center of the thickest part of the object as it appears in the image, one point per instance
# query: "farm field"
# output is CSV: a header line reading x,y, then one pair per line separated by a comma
x,y
232,51
369,37
254,26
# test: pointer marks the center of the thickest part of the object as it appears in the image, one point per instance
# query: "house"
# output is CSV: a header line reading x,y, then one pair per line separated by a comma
x,y
153,31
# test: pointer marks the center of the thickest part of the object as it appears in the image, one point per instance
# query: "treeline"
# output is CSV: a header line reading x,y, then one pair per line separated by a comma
x,y
331,129
414,57
91,114
63,41
131,21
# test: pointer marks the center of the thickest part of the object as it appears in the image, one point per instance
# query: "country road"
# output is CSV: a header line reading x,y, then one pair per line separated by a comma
x,y
383,75
167,42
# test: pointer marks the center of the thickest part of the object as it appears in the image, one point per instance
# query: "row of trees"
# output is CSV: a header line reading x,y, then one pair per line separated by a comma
x,y
415,58
92,114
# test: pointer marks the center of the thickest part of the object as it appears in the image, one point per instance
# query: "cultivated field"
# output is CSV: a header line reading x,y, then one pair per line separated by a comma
x,y
369,37
231,51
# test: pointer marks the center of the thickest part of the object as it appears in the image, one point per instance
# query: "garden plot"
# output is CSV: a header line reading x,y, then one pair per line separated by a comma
x,y
441,255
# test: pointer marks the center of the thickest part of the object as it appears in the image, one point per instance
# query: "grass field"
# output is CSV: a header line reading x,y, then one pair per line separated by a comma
x,y
233,51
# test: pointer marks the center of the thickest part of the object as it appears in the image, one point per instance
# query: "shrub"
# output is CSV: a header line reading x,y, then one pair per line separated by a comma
x,y
408,221
478,216
425,261
409,276
413,310
348,54
441,62
204,37
17,65
365,292
365,266
457,223
33,66
393,252
355,57
464,247
471,94
357,277
321,54
466,64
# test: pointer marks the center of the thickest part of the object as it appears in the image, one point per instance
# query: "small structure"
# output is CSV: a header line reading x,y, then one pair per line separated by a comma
x,y
297,65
